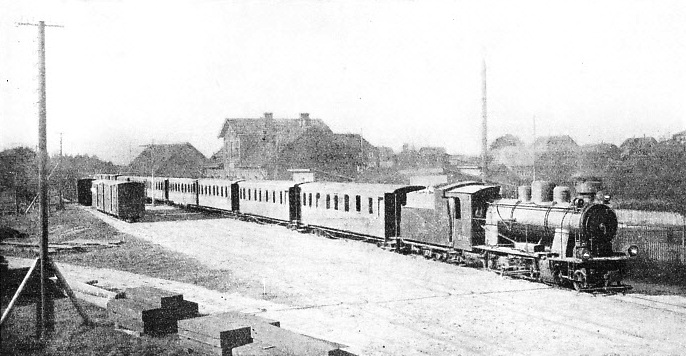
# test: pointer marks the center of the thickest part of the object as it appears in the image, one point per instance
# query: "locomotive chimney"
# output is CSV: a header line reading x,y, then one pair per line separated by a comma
x,y
561,195
524,193
268,115
541,191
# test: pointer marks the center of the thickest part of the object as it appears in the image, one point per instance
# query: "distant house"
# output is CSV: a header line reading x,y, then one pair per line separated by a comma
x,y
555,143
637,146
332,156
386,157
680,137
425,157
169,160
251,146
266,148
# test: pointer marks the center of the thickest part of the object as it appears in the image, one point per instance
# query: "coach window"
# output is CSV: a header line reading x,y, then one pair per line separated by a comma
x,y
280,197
458,209
310,196
335,202
371,205
378,208
346,202
358,203
274,196
328,201
304,199
316,200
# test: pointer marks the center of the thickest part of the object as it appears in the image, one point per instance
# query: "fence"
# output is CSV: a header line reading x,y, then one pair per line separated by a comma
x,y
655,243
649,218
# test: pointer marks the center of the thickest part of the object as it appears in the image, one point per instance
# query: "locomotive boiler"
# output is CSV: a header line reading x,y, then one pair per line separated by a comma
x,y
543,234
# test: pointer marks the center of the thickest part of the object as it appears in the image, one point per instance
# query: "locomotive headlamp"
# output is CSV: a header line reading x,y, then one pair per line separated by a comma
x,y
606,199
633,251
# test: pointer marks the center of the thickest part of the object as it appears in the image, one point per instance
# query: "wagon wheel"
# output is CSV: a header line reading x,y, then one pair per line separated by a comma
x,y
580,279
557,277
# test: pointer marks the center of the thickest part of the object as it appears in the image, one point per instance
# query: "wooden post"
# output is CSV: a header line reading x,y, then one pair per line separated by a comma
x,y
47,311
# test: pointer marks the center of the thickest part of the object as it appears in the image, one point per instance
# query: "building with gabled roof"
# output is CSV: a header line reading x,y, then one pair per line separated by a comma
x,y
251,146
169,160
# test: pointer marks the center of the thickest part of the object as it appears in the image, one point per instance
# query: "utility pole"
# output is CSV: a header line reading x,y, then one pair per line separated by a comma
x,y
45,310
534,147
484,127
152,170
61,177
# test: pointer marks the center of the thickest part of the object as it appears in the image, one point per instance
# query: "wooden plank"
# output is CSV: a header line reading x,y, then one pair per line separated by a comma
x,y
139,315
215,323
258,349
186,309
194,346
291,342
237,335
155,296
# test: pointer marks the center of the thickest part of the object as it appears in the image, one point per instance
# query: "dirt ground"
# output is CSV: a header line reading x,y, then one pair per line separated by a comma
x,y
381,303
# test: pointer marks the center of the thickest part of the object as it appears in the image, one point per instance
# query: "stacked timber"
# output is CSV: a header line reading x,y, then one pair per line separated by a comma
x,y
234,333
150,311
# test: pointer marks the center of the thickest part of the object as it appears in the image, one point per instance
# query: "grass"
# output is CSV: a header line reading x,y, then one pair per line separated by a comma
x,y
134,255
71,337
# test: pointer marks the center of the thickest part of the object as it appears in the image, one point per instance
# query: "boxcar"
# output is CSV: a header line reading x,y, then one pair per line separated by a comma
x,y
370,210
269,199
218,194
140,179
84,195
182,191
125,200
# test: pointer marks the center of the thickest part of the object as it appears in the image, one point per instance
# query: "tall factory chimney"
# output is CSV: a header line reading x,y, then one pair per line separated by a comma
x,y
484,139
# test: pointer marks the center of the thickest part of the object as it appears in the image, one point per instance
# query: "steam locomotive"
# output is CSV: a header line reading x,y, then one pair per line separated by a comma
x,y
542,235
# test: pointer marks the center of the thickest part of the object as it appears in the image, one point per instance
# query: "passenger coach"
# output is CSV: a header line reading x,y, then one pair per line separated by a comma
x,y
366,210
274,200
218,194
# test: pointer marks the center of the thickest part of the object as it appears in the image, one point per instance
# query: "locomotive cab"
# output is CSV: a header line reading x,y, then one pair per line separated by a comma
x,y
467,206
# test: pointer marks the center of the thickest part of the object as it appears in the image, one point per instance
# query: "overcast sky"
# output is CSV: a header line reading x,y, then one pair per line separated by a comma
x,y
125,73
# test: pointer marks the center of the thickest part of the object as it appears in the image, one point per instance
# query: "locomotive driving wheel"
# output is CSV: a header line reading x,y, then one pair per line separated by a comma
x,y
580,281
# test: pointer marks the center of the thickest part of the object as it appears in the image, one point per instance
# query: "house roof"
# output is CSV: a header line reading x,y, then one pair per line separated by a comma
x,y
561,141
288,129
178,160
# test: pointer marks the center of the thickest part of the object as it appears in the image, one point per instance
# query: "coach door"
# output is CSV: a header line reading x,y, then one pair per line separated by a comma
x,y
294,204
461,220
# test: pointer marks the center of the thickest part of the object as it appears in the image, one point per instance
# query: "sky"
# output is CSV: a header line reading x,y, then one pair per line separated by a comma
x,y
121,74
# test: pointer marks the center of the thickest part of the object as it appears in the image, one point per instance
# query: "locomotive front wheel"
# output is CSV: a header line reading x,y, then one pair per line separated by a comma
x,y
579,279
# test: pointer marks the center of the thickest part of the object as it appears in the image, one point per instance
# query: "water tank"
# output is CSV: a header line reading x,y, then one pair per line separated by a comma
x,y
562,194
524,193
542,191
